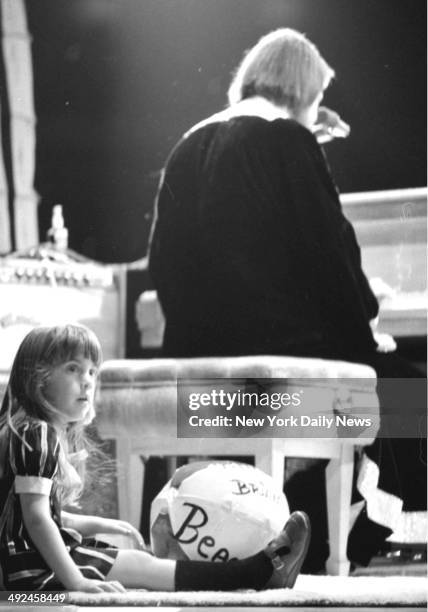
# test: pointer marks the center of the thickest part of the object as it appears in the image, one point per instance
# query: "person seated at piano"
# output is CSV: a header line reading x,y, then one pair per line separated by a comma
x,y
250,251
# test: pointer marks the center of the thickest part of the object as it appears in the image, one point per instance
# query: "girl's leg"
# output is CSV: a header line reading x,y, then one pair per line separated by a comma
x,y
139,570
277,566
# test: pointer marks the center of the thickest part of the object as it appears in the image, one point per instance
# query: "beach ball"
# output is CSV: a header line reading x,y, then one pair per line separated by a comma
x,y
216,511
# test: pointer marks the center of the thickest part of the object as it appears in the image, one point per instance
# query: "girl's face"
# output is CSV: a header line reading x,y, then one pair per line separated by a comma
x,y
71,388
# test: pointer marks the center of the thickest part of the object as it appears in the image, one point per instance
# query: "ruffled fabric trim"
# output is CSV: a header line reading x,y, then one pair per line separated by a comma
x,y
411,527
382,507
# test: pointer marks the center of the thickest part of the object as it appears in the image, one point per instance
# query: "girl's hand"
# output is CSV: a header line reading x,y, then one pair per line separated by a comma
x,y
98,586
121,527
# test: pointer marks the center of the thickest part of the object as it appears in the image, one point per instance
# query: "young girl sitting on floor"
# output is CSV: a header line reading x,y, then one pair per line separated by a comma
x,y
48,402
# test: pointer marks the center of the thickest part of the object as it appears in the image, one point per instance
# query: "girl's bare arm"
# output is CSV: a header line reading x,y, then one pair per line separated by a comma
x,y
84,524
92,525
48,541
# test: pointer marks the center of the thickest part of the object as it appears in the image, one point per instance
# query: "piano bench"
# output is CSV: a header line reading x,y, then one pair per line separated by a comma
x,y
137,407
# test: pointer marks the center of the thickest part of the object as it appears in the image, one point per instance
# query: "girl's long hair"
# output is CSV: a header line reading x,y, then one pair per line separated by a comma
x,y
25,402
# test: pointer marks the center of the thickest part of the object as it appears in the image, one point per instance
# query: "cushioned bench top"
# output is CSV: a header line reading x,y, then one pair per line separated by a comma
x,y
140,371
139,400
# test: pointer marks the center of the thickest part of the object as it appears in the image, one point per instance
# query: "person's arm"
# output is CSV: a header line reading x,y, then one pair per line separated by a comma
x,y
330,254
91,525
46,537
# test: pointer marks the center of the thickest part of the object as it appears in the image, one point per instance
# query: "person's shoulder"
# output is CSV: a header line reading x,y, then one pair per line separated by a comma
x,y
247,124
225,122
206,125
244,131
297,142
36,425
36,434
295,130
34,450
285,131
193,137
196,140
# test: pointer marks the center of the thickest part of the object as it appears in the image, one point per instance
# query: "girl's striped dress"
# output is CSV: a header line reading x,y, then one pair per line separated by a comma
x,y
30,465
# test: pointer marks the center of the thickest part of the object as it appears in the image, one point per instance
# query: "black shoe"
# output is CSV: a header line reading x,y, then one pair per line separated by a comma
x,y
288,551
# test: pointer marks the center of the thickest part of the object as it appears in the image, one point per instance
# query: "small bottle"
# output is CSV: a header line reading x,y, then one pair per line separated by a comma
x,y
58,233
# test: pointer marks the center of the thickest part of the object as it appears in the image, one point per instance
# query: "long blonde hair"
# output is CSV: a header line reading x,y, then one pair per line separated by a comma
x,y
24,402
283,67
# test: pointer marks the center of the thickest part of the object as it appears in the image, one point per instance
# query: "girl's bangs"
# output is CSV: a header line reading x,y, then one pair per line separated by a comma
x,y
75,340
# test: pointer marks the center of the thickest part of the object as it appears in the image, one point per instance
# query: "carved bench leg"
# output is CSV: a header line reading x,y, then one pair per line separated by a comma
x,y
339,487
130,478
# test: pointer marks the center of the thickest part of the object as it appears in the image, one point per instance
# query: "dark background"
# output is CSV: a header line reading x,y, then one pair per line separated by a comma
x,y
118,81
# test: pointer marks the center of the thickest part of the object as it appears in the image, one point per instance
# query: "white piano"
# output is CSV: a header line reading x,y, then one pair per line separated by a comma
x,y
391,227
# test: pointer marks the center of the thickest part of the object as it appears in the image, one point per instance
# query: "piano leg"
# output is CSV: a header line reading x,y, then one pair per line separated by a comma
x,y
339,474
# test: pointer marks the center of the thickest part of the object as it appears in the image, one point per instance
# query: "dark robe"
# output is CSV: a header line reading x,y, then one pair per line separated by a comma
x,y
250,253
